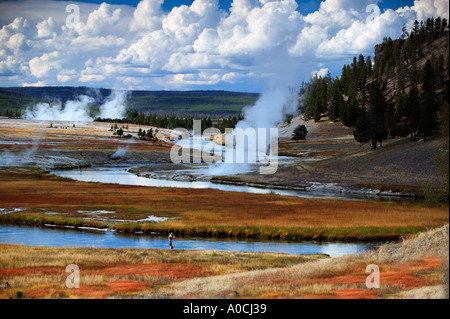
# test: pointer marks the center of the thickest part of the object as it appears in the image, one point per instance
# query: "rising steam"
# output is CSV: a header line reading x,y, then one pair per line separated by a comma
x,y
79,109
265,114
8,158
115,105
119,153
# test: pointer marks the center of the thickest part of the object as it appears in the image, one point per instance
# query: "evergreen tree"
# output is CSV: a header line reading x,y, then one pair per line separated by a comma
x,y
377,110
427,121
349,112
413,114
405,33
362,131
336,103
299,133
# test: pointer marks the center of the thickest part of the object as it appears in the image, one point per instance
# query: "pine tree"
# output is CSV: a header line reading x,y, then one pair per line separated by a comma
x,y
427,121
337,100
413,114
362,131
377,110
299,133
405,33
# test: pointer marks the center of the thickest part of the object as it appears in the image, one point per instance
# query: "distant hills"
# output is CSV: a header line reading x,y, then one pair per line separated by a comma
x,y
219,102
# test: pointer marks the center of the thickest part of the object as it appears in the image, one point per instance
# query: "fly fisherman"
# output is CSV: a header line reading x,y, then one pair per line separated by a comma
x,y
171,236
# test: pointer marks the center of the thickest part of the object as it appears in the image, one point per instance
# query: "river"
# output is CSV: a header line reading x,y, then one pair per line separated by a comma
x,y
120,175
54,237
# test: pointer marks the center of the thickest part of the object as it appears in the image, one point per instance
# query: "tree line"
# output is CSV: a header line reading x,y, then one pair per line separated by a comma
x,y
359,97
171,122
11,113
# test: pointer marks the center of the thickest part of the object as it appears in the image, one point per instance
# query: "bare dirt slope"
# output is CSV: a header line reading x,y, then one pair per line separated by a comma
x,y
402,162
324,129
331,155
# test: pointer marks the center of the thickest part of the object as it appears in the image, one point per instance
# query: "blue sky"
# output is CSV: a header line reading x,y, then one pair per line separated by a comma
x,y
304,7
250,45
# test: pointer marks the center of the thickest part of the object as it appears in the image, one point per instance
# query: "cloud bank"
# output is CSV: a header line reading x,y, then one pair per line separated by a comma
x,y
189,47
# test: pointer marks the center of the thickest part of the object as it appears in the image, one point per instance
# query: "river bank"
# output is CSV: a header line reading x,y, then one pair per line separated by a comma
x,y
407,270
48,199
326,162
50,235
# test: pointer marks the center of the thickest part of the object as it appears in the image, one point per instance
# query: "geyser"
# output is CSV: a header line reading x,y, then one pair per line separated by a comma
x,y
261,120
75,110
79,109
119,153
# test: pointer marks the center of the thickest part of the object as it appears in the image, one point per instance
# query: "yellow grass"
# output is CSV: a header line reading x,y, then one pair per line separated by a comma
x,y
405,268
197,207
39,272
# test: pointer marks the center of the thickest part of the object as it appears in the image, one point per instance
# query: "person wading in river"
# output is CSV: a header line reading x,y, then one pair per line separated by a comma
x,y
171,236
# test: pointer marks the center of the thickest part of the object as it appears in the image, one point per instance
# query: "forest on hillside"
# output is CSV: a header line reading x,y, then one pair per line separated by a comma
x,y
404,92
214,103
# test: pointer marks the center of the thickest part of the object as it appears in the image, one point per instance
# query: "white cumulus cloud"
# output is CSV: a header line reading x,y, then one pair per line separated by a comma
x,y
191,46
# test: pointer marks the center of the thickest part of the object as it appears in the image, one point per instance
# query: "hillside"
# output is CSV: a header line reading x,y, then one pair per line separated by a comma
x,y
401,94
219,102
13,101
401,73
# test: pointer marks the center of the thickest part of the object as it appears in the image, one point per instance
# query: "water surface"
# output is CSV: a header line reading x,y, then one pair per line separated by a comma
x,y
52,237
120,175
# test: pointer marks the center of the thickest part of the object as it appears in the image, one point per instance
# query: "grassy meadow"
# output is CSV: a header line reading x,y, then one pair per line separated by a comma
x,y
407,270
410,268
206,212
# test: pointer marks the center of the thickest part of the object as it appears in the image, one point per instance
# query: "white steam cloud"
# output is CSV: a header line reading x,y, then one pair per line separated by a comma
x,y
265,114
78,110
119,153
8,158
270,108
279,99
115,105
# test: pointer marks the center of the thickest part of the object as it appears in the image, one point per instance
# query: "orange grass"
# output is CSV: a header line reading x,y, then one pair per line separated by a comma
x,y
39,272
406,269
200,207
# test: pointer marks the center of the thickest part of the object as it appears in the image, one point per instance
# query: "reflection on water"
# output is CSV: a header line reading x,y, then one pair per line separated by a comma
x,y
51,237
120,175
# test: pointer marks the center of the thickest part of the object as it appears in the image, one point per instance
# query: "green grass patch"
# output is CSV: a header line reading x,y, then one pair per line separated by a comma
x,y
367,234
39,220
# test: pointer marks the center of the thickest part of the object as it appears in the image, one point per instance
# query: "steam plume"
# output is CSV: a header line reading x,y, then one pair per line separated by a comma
x,y
8,158
121,151
115,105
265,114
78,110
